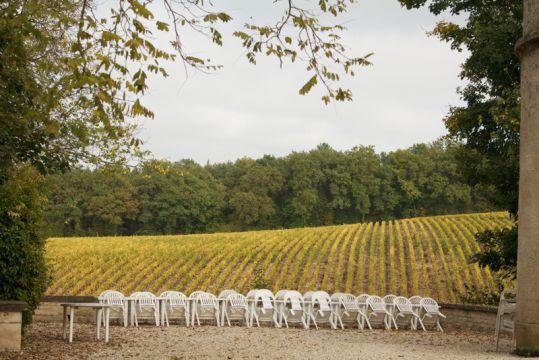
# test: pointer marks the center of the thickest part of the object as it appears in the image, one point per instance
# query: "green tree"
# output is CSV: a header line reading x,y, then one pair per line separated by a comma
x,y
251,200
176,198
72,75
488,122
302,182
366,172
89,203
22,268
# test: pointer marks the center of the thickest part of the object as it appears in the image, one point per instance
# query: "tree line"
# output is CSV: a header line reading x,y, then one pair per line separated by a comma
x,y
319,187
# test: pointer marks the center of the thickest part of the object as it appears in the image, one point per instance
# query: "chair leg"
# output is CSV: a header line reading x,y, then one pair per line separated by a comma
x,y
439,326
421,323
98,320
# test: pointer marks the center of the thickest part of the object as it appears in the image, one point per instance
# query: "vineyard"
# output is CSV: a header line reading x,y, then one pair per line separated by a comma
x,y
426,256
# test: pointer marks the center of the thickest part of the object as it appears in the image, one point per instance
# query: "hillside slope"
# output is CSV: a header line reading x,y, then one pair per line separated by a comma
x,y
426,256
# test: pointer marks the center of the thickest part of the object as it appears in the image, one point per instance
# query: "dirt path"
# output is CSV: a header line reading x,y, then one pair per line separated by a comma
x,y
43,341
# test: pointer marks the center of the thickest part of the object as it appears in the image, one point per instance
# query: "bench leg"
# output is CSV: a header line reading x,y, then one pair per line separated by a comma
x,y
64,322
71,317
107,315
98,315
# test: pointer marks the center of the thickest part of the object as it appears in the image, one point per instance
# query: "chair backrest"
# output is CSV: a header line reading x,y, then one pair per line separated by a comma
x,y
323,300
145,298
263,295
430,305
415,300
236,300
175,298
107,291
362,299
403,304
266,302
376,303
112,297
164,294
196,294
388,299
308,296
336,296
264,292
280,295
295,299
207,300
224,294
349,302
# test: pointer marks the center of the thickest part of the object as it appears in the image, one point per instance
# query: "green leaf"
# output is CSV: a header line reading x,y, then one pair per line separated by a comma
x,y
194,60
140,9
308,86
162,26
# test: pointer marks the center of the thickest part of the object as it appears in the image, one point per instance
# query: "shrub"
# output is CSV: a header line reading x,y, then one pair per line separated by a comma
x,y
259,280
481,296
23,272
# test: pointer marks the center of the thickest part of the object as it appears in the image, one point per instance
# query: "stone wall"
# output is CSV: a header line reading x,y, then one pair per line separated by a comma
x,y
469,317
459,317
10,324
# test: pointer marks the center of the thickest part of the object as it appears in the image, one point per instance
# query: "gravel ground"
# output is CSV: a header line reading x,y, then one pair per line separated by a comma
x,y
44,341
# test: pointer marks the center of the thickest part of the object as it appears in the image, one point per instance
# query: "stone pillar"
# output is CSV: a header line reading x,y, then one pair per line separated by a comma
x,y
11,324
527,317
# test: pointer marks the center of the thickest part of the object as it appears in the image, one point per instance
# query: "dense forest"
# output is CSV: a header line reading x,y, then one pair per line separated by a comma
x,y
319,187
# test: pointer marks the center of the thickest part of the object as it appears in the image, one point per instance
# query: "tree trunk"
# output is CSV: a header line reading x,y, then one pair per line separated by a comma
x,y
527,317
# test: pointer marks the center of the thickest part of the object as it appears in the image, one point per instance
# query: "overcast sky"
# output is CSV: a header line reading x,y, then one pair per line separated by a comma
x,y
246,110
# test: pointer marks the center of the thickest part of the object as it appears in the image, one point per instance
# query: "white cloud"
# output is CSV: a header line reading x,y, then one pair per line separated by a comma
x,y
247,110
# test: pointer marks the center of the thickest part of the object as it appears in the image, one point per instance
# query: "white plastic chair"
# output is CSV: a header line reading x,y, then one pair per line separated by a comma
x,y
318,309
389,299
505,320
431,313
361,301
376,307
221,298
175,303
206,308
415,300
235,308
262,307
347,309
196,294
290,307
224,294
390,306
404,313
146,302
117,301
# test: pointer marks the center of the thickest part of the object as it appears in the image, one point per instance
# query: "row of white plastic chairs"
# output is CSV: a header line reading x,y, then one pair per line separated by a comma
x,y
282,308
